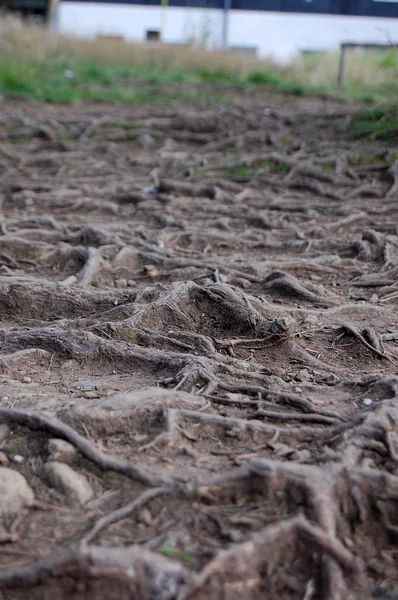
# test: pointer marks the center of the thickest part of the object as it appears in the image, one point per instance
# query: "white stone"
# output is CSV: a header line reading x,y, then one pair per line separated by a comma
x,y
63,478
121,283
15,493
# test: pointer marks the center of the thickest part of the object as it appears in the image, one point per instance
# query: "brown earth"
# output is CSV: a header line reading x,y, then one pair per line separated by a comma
x,y
203,302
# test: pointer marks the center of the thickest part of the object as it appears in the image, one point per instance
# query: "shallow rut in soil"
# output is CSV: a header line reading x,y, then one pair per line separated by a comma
x,y
203,302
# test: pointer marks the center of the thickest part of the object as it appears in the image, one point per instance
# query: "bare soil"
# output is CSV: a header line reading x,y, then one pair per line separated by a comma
x,y
203,302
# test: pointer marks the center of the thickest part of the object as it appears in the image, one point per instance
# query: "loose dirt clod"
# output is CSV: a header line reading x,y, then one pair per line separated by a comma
x,y
198,313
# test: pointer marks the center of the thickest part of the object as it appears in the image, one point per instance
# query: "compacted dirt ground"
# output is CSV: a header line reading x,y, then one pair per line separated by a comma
x,y
202,302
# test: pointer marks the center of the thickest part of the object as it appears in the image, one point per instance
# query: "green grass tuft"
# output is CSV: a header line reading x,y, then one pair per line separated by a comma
x,y
377,124
264,78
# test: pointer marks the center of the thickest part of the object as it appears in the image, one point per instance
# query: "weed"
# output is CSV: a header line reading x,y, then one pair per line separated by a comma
x,y
328,169
264,78
172,552
17,141
281,167
123,316
376,124
242,171
389,59
217,75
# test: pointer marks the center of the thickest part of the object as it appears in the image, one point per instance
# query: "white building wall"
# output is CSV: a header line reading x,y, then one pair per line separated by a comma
x,y
280,35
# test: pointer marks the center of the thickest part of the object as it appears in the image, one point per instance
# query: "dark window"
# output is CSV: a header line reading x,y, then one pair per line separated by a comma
x,y
152,36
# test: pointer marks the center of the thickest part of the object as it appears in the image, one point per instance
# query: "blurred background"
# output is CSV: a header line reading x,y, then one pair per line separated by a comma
x,y
62,50
290,27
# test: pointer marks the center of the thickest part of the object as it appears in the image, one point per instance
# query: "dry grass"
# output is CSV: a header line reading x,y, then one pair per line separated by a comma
x,y
363,68
37,43
171,57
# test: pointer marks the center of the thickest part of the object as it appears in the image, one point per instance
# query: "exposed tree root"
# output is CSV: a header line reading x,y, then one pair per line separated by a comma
x,y
210,253
373,344
277,397
393,172
242,563
92,264
37,421
122,513
280,283
26,299
135,565
173,418
279,416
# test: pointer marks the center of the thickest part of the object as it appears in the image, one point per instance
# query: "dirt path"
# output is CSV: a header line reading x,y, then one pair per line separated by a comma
x,y
203,303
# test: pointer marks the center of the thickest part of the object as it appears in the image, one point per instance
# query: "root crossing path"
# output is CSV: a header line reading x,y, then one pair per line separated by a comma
x,y
199,353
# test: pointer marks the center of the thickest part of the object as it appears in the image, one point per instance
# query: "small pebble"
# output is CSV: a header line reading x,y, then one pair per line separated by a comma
x,y
150,270
367,402
300,235
91,395
70,365
121,283
26,380
303,375
232,433
149,189
61,451
244,283
131,283
68,281
302,456
18,459
235,535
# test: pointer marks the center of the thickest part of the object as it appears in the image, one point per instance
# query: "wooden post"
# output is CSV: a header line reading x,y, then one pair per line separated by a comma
x,y
340,80
163,15
343,54
50,15
225,23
